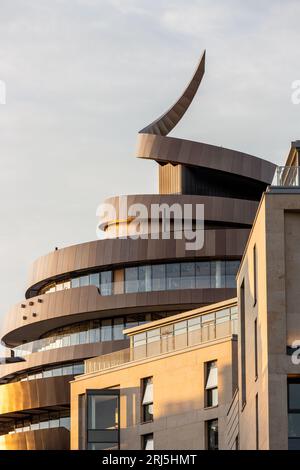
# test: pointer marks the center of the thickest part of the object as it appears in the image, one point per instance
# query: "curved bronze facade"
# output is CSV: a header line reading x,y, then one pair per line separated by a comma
x,y
66,317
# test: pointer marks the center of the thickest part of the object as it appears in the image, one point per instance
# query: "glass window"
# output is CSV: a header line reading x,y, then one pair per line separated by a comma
x,y
95,332
202,275
95,279
131,321
212,434
173,276
187,275
57,372
144,278
294,413
231,272
118,328
84,281
211,385
75,282
147,442
106,282
47,373
158,277
67,370
106,330
103,414
131,280
294,396
78,369
147,399
217,274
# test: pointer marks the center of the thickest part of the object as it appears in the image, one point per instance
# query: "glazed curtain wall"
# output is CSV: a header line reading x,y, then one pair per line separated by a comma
x,y
157,277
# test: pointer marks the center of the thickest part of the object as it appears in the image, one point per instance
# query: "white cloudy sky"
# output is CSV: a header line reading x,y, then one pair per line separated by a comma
x,y
83,76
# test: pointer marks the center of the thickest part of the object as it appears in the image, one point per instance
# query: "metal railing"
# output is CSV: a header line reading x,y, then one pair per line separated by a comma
x,y
166,344
287,176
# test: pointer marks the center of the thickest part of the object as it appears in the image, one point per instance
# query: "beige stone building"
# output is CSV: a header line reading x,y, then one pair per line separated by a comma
x,y
269,302
170,390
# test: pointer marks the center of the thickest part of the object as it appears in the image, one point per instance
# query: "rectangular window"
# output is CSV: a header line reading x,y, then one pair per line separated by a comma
x,y
187,275
95,280
84,281
131,280
211,384
102,419
106,283
231,271
173,276
294,413
118,328
147,442
255,349
144,278
106,330
158,277
147,399
218,274
203,275
75,282
254,275
243,342
212,437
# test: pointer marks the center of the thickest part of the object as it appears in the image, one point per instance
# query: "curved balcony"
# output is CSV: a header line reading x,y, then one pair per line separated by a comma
x,y
42,439
55,357
34,394
115,253
84,303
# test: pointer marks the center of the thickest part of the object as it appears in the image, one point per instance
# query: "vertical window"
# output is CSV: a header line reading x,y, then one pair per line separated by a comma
x,y
102,420
255,349
94,279
212,434
243,343
147,399
106,283
203,275
211,384
218,274
256,422
147,442
187,275
173,276
158,277
254,275
231,271
131,280
145,278
294,413
106,330
118,328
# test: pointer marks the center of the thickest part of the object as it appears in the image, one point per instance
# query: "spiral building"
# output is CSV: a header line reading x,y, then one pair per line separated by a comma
x,y
80,298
